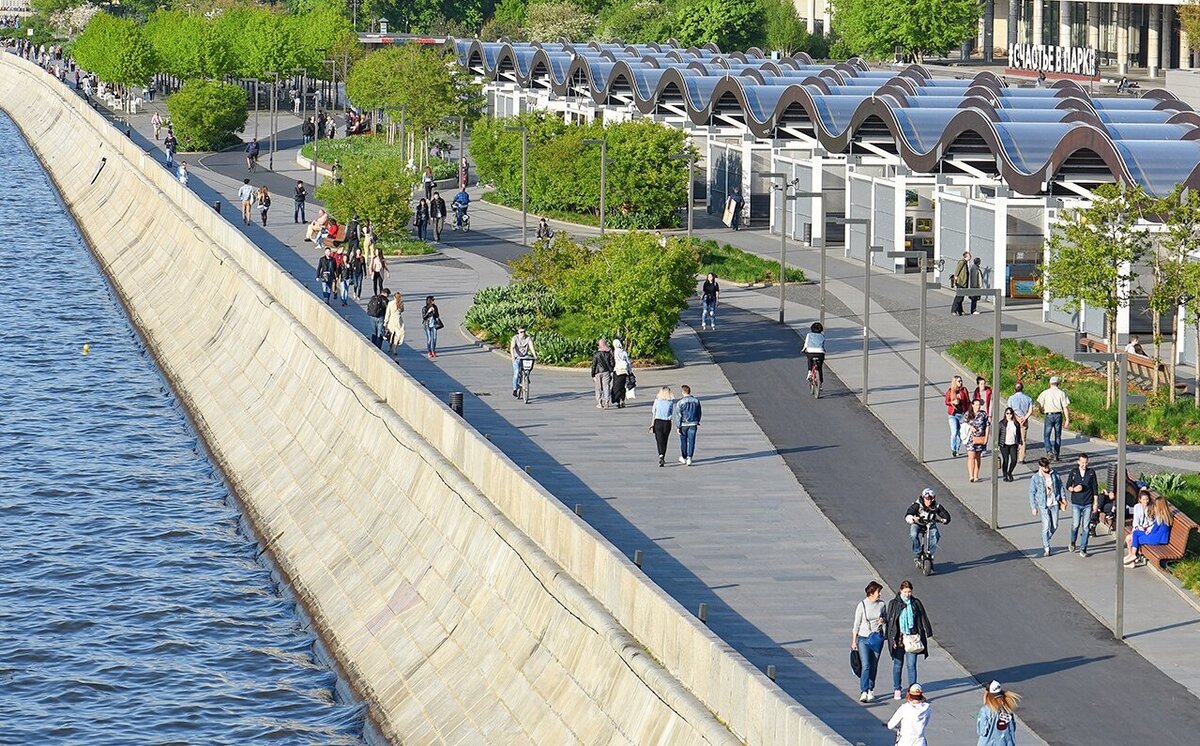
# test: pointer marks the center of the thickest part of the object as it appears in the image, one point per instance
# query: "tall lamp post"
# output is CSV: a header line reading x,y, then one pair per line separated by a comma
x,y
869,249
274,114
603,174
820,196
690,157
782,188
998,326
1122,360
922,258
524,177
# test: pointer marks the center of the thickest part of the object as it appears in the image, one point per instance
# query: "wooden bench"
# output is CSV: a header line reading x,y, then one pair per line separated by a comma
x,y
1181,530
1138,364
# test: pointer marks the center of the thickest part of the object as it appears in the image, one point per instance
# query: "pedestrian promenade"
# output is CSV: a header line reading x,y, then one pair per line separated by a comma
x,y
736,530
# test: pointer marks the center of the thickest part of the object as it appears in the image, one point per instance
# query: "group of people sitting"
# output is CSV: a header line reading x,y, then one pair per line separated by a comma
x,y
1151,526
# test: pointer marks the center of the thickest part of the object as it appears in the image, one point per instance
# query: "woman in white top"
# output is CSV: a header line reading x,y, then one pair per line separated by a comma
x,y
621,376
1010,443
912,718
814,349
393,322
867,638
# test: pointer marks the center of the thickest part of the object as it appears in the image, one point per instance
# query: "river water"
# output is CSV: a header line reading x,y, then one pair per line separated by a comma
x,y
132,608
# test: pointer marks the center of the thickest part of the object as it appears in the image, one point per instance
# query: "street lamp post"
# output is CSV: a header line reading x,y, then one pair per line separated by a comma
x,y
921,258
998,326
869,249
524,177
256,108
690,157
603,174
782,188
1122,360
274,121
820,196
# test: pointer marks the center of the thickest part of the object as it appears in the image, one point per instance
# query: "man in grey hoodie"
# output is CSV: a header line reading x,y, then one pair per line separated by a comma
x,y
687,409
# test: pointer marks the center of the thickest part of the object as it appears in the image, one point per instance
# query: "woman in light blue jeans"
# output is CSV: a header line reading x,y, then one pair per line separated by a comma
x,y
867,639
430,318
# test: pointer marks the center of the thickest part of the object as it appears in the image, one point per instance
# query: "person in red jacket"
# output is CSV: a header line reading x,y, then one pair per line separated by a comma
x,y
983,392
958,403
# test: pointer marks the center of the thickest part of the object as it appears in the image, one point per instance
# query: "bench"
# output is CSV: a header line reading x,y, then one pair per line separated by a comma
x,y
1138,364
1181,530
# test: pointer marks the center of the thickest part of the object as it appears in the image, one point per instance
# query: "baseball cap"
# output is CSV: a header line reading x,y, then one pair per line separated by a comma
x,y
916,689
1053,379
994,687
927,492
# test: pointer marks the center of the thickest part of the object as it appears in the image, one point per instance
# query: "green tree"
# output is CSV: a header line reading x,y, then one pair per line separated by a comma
x,y
730,24
116,50
377,191
322,33
877,27
1092,255
559,20
423,81
1190,285
638,22
1170,256
206,114
634,288
785,31
189,45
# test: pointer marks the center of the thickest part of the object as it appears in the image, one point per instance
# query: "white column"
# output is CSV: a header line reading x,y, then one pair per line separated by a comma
x,y
1064,23
1122,39
1168,13
1093,25
812,15
1037,23
1185,50
1152,42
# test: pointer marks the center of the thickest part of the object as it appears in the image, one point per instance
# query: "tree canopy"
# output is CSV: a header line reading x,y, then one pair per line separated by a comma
x,y
920,27
116,50
425,82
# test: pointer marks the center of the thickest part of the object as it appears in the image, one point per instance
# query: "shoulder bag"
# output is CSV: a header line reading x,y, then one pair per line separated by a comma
x,y
913,644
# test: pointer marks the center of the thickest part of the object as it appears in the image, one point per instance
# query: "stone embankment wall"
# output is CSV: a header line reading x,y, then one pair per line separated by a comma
x,y
464,603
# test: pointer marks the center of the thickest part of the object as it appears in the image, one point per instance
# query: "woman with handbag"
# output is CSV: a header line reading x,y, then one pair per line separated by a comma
x,y
393,322
624,369
867,639
907,629
979,423
431,321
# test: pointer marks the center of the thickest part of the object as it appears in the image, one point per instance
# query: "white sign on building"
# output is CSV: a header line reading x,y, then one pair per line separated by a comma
x,y
1053,59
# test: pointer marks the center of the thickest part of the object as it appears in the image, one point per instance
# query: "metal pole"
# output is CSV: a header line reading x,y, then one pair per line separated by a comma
x,y
998,300
256,108
316,145
274,122
403,135
921,360
524,184
603,179
1118,532
462,153
867,314
783,198
691,164
823,283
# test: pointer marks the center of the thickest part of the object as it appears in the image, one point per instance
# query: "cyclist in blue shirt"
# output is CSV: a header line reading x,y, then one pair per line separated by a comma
x,y
461,202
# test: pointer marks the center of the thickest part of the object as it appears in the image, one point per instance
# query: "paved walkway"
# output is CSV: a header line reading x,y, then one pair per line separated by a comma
x,y
747,538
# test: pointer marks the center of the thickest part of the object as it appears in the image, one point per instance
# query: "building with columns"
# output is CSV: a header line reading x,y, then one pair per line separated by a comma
x,y
1144,36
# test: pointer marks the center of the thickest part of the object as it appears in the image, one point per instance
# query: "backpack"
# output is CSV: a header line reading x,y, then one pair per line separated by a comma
x,y
376,306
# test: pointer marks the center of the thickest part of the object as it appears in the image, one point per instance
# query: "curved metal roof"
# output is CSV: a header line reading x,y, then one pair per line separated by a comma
x,y
1030,137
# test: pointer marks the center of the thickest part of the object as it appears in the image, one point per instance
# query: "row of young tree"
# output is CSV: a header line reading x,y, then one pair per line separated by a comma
x,y
1125,244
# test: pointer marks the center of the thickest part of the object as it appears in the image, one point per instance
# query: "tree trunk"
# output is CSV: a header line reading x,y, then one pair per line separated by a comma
x,y
1156,327
1196,326
1174,355
1110,329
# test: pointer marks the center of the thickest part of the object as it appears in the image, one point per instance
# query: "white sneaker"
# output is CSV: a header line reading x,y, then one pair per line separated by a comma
x,y
689,461
871,696
862,697
682,460
896,694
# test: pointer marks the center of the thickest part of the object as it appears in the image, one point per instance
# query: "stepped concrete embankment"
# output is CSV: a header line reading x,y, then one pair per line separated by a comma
x,y
463,602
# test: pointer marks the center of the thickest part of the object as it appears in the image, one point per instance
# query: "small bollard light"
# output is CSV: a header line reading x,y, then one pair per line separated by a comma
x,y
217,206
703,613
528,469
456,402
578,509
637,557
771,672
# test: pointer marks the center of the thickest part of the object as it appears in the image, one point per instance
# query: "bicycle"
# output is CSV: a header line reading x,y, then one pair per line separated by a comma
x,y
924,560
523,378
462,219
814,378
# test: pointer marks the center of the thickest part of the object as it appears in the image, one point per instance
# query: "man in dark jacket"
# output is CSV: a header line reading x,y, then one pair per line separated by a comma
x,y
960,278
688,410
326,270
1084,491
924,515
352,234
377,310
437,215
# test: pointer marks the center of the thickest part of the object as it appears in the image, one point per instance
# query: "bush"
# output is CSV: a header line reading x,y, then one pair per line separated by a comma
x,y
356,149
206,115
645,187
377,190
1021,360
731,263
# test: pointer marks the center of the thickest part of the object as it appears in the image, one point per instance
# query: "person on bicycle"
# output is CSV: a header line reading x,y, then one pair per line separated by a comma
x,y
520,348
814,349
461,202
252,154
924,515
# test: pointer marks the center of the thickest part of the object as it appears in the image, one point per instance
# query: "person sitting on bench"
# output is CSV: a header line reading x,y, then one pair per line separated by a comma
x,y
1135,347
1155,527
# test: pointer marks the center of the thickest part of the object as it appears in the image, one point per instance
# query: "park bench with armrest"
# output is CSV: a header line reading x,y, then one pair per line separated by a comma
x,y
1181,530
1138,364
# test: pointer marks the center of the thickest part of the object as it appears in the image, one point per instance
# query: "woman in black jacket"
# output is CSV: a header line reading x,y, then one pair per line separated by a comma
x,y
905,619
603,365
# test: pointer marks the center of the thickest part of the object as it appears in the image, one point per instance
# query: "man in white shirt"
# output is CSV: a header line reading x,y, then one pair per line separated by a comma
x,y
246,195
1055,405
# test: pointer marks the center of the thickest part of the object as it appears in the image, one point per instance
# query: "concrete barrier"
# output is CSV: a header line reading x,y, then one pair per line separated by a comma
x,y
464,603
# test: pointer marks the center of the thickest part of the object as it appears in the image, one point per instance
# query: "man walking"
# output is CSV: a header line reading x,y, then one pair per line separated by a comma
x,y
437,215
376,309
1085,494
1022,407
1055,405
326,270
960,279
688,410
298,198
170,144
246,195
1046,497
974,280
734,207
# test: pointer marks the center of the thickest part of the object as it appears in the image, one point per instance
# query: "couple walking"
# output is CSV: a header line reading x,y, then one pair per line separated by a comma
x,y
612,372
684,413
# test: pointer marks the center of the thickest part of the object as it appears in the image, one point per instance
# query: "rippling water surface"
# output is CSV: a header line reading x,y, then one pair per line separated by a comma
x,y
132,610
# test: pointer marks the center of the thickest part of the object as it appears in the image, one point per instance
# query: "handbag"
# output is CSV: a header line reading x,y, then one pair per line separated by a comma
x,y
913,644
979,440
437,323
630,381
856,662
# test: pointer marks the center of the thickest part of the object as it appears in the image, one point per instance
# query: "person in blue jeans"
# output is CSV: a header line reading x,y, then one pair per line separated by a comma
x,y
1056,408
958,404
687,409
1083,489
905,617
1047,496
867,639
924,515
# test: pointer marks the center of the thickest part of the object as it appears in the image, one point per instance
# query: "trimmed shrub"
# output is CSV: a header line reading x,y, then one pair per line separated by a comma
x,y
206,115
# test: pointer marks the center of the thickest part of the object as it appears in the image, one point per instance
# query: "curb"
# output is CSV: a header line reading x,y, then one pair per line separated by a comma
x,y
470,336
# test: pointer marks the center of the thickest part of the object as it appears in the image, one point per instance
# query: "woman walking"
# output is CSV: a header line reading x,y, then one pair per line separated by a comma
x,y
958,405
379,270
421,220
344,277
907,630
867,639
427,182
977,424
393,323
431,321
624,368
183,173
603,365
997,721
661,415
1156,520
912,718
1010,443
358,268
263,199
